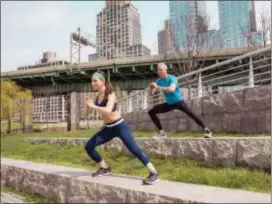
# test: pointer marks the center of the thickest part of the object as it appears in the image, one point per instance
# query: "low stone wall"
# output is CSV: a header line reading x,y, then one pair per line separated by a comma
x,y
253,152
245,111
72,185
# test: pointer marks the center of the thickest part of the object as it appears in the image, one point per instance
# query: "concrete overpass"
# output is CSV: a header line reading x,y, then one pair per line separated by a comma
x,y
128,73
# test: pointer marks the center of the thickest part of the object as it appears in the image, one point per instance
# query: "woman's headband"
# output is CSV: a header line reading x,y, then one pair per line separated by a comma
x,y
99,76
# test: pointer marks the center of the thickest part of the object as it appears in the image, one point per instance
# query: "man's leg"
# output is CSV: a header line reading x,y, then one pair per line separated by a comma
x,y
184,107
161,108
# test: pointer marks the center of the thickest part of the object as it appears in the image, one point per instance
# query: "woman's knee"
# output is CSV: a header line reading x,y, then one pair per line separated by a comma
x,y
90,145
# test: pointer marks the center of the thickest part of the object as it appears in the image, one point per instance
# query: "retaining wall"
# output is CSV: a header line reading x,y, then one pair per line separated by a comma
x,y
72,185
253,152
245,111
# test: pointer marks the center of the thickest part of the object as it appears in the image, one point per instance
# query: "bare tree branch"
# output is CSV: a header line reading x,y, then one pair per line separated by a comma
x,y
265,20
191,43
251,42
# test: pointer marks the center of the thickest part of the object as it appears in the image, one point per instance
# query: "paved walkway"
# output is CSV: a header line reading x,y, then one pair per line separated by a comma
x,y
69,184
11,198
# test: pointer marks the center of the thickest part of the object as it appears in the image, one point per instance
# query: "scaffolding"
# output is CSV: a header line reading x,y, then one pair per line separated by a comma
x,y
78,40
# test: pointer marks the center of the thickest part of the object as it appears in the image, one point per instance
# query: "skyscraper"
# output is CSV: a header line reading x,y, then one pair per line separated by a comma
x,y
186,18
165,39
161,42
118,30
237,21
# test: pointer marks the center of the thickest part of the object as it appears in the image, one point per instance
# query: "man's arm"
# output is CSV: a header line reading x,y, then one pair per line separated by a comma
x,y
152,91
152,88
171,88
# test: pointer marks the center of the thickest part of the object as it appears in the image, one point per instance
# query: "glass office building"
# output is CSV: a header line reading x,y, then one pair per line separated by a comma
x,y
237,21
186,18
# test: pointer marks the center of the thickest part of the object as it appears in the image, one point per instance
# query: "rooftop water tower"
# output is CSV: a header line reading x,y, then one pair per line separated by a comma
x,y
48,57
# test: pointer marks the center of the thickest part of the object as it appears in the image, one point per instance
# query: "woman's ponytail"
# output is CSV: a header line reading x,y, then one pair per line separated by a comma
x,y
109,87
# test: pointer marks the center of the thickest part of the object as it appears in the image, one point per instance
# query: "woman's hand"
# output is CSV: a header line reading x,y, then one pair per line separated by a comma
x,y
90,103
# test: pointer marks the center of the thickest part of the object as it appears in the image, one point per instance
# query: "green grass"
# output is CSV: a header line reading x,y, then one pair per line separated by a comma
x,y
26,197
170,169
90,132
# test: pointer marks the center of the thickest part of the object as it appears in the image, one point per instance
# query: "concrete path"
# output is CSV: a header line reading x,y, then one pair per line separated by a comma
x,y
68,184
11,198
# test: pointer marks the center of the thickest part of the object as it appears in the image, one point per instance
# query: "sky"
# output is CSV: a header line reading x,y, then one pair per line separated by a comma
x,y
29,28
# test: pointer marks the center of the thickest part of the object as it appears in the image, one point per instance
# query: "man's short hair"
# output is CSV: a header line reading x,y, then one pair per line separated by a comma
x,y
162,65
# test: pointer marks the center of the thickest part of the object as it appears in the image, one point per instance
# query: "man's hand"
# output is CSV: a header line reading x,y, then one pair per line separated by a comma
x,y
153,85
90,103
152,91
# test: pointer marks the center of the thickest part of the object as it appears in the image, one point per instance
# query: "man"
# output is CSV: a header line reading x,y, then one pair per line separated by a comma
x,y
168,84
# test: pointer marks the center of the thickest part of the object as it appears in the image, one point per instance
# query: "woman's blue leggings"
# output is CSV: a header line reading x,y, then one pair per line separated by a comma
x,y
120,130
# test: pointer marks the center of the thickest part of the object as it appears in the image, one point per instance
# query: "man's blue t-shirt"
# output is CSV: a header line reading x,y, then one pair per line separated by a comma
x,y
170,97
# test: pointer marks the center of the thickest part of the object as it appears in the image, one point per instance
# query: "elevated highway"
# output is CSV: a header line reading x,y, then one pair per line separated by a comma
x,y
128,73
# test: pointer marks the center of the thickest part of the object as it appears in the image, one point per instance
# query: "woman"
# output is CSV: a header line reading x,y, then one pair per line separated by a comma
x,y
115,126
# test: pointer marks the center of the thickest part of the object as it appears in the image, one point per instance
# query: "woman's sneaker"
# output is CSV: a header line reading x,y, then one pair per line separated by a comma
x,y
102,172
151,179
208,133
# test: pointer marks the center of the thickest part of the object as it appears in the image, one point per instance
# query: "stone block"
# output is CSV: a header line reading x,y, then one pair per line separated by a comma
x,y
143,197
171,115
258,98
254,152
144,116
34,182
233,102
170,125
141,116
256,122
212,104
177,114
224,152
79,142
62,142
183,124
115,143
159,147
232,122
88,192
214,122
143,126
196,105
196,149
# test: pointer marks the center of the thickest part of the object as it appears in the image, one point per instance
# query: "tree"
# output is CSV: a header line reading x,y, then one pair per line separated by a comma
x,y
9,90
253,42
24,107
191,43
14,100
265,21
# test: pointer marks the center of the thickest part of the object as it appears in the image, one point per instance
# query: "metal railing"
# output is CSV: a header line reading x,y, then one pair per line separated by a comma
x,y
248,70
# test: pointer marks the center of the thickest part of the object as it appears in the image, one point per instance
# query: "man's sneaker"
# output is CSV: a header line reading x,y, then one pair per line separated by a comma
x,y
151,179
161,135
208,133
102,172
